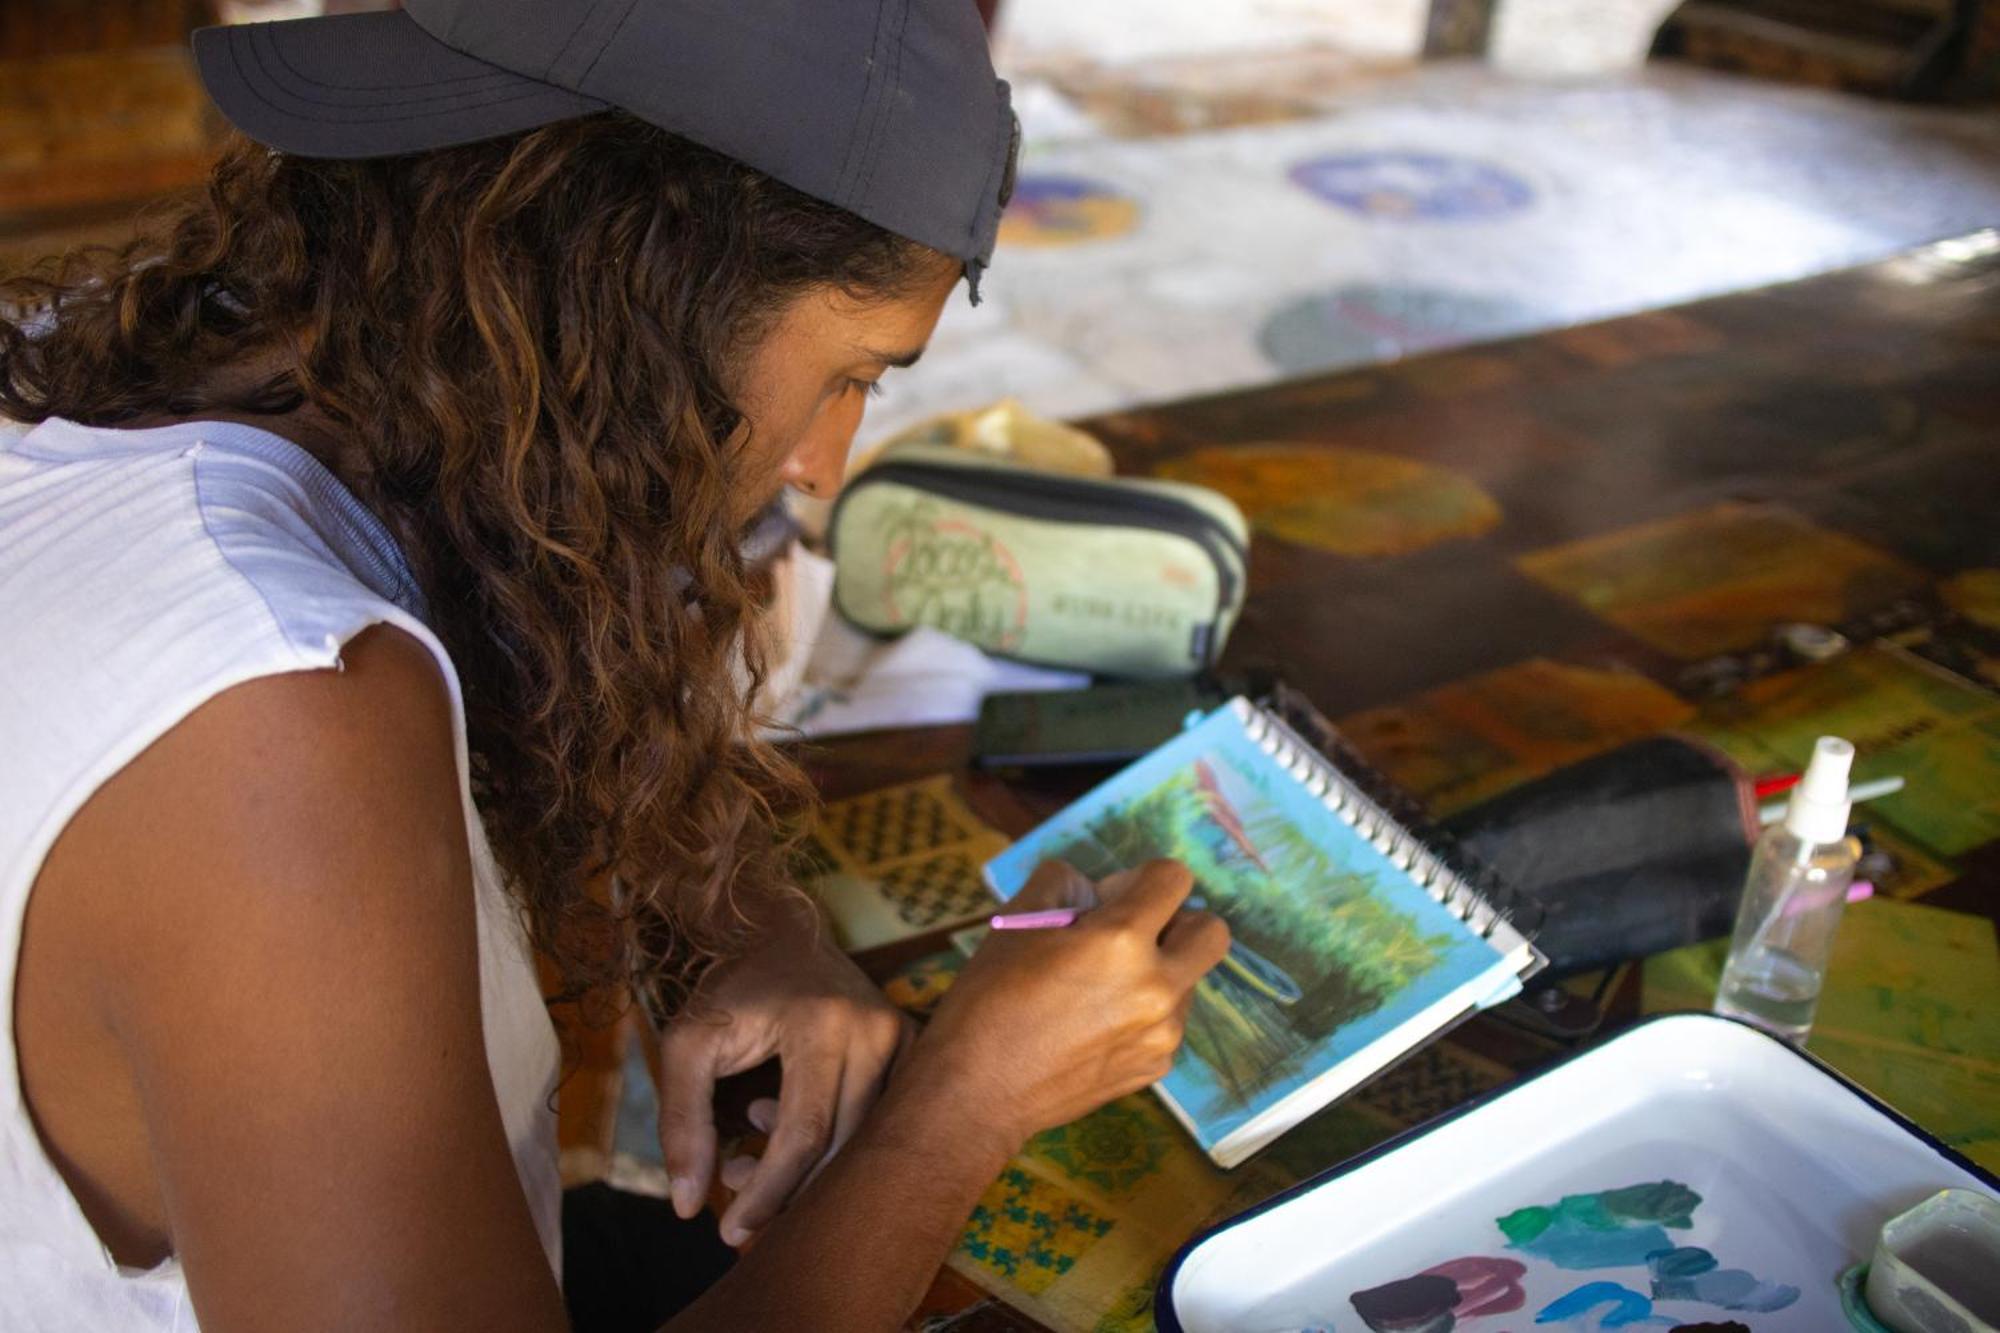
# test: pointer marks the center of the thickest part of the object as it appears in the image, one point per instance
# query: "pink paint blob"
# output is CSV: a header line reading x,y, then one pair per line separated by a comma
x,y
1485,1286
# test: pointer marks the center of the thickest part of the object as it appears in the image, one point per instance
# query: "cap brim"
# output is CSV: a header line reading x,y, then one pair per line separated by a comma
x,y
367,85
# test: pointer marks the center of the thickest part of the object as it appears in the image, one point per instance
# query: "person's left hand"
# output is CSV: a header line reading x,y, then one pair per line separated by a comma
x,y
796,997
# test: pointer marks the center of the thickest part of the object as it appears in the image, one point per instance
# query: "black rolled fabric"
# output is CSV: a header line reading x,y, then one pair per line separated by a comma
x,y
630,1263
1631,853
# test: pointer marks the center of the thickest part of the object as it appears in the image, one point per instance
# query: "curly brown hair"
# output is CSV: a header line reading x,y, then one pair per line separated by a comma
x,y
526,347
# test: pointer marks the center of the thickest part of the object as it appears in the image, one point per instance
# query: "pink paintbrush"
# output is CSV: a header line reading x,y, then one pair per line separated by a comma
x,y
1050,919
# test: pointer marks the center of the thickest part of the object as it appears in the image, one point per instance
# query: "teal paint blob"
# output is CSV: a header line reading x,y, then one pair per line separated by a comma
x,y
1568,1245
1615,1228
1691,1273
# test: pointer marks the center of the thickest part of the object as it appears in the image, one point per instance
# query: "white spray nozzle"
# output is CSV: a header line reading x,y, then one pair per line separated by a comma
x,y
1819,807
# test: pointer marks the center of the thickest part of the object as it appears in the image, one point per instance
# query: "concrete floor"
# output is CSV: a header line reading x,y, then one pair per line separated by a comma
x,y
1375,211
1529,36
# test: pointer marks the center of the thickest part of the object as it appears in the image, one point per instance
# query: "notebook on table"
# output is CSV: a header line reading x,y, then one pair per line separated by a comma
x,y
1358,935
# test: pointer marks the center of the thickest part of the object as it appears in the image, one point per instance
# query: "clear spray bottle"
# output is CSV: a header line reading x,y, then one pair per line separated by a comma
x,y
1799,873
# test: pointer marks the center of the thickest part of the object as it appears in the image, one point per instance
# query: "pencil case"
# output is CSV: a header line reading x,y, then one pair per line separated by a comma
x,y
1115,576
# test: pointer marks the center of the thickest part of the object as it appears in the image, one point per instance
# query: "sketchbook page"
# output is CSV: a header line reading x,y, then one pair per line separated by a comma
x,y
1356,1069
1327,781
1335,947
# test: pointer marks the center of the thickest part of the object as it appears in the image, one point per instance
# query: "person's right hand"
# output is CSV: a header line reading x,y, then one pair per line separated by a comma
x,y
1043,1026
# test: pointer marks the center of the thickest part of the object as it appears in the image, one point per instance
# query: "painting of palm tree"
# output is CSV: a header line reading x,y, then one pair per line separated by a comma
x,y
1316,946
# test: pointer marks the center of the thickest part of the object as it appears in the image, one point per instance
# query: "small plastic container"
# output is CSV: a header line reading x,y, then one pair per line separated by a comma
x,y
1937,1267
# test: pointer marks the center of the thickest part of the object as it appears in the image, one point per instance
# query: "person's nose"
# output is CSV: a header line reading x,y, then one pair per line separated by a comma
x,y
819,463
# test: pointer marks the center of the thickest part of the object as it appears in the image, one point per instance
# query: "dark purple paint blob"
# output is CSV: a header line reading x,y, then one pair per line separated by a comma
x,y
1421,1304
1731,1327
1485,1286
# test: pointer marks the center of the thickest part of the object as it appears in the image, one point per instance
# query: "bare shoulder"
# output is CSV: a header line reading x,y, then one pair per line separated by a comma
x,y
221,849
274,905
277,790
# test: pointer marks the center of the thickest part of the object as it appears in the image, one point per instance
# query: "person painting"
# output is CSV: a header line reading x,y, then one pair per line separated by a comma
x,y
378,616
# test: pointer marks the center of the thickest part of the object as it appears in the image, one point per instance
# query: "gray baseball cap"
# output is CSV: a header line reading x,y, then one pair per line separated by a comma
x,y
887,108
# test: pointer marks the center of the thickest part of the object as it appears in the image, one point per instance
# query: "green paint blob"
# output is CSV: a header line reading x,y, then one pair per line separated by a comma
x,y
1524,1224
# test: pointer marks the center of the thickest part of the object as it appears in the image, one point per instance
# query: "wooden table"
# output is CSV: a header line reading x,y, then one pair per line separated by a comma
x,y
1825,451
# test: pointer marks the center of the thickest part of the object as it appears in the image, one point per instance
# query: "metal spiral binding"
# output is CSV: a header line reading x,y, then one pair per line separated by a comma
x,y
1337,776
1387,834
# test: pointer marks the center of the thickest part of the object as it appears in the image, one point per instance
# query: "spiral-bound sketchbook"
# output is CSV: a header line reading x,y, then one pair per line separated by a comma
x,y
1356,937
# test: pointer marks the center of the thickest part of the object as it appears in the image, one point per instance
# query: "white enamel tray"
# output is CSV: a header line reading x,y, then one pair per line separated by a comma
x,y
1689,1173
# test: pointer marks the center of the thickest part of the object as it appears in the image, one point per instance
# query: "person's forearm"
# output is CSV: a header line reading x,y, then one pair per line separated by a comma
x,y
857,1249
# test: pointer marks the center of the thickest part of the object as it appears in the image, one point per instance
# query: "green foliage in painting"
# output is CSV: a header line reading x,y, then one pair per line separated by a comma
x,y
1318,946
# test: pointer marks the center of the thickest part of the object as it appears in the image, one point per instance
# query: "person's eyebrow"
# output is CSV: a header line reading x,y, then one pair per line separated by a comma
x,y
896,360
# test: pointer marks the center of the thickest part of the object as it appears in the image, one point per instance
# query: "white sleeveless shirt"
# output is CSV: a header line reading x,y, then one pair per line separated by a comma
x,y
143,572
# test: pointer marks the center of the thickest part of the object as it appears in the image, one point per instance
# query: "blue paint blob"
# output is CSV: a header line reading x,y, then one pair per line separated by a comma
x,y
1690,1273
1627,1307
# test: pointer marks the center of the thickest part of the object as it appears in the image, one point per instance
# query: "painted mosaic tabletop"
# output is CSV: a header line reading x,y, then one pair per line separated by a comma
x,y
1493,561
